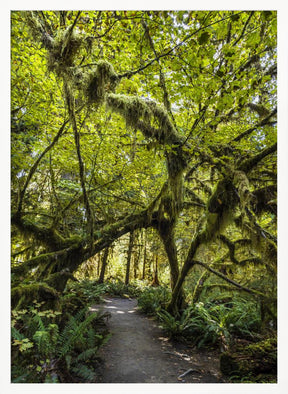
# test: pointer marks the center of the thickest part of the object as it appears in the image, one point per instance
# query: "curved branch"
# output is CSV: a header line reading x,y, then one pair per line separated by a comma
x,y
232,282
72,256
35,165
263,122
249,164
71,109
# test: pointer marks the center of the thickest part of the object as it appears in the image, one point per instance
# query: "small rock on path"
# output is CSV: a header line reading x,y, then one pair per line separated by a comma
x,y
138,351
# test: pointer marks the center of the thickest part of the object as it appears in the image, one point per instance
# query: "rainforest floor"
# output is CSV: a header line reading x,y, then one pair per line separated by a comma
x,y
139,352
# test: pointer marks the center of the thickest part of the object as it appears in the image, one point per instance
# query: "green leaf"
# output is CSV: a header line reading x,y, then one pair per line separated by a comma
x,y
204,37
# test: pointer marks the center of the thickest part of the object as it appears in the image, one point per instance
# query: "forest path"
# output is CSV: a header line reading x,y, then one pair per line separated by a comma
x,y
138,351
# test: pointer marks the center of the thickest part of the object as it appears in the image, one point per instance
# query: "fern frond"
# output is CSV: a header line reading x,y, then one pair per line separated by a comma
x,y
84,372
15,334
87,354
69,337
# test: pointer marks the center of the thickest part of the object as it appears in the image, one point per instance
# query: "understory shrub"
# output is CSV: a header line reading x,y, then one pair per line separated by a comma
x,y
82,293
44,350
118,288
214,323
153,299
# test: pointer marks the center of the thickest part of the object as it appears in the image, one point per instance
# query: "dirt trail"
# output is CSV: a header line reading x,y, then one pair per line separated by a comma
x,y
138,351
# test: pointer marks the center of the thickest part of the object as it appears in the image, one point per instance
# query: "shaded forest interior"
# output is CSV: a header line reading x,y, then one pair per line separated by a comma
x,y
143,165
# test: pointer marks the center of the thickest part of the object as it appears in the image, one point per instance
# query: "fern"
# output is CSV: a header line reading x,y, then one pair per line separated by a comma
x,y
83,371
76,335
86,354
72,348
38,323
16,334
19,374
176,327
41,339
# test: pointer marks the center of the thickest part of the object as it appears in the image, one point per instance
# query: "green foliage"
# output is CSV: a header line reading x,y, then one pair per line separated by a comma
x,y
186,102
176,328
153,299
46,347
82,293
243,318
214,323
118,288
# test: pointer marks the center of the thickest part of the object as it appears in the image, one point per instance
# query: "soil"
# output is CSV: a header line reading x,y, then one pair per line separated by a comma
x,y
139,352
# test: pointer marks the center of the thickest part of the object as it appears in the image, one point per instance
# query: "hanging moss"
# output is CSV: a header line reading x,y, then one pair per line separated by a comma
x,y
101,79
132,108
145,115
220,209
241,183
64,50
223,197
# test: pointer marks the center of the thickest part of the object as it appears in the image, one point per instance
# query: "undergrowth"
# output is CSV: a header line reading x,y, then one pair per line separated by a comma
x,y
217,324
58,346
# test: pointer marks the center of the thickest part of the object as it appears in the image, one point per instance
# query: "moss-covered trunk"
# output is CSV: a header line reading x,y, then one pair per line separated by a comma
x,y
104,265
167,234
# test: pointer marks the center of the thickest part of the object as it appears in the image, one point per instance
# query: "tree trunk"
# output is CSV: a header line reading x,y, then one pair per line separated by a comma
x,y
187,266
104,265
98,264
136,260
144,256
167,234
129,255
155,281
166,231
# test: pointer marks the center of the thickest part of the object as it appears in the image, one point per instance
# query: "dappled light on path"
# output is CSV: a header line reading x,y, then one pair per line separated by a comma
x,y
139,352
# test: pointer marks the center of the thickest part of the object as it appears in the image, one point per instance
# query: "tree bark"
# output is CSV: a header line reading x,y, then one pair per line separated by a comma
x,y
129,255
155,281
144,256
167,234
104,265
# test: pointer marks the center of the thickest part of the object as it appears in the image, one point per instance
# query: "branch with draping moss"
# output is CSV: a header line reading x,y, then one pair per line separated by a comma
x,y
80,250
219,214
139,113
232,250
48,236
261,231
232,282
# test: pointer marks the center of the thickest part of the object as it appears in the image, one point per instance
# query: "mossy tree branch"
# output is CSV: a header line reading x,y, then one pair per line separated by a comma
x,y
232,282
248,164
73,256
36,164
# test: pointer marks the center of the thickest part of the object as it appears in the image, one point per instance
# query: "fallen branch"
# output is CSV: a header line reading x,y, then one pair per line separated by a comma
x,y
187,372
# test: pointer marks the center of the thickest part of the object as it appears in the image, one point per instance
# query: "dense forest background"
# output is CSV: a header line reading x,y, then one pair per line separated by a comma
x,y
143,154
